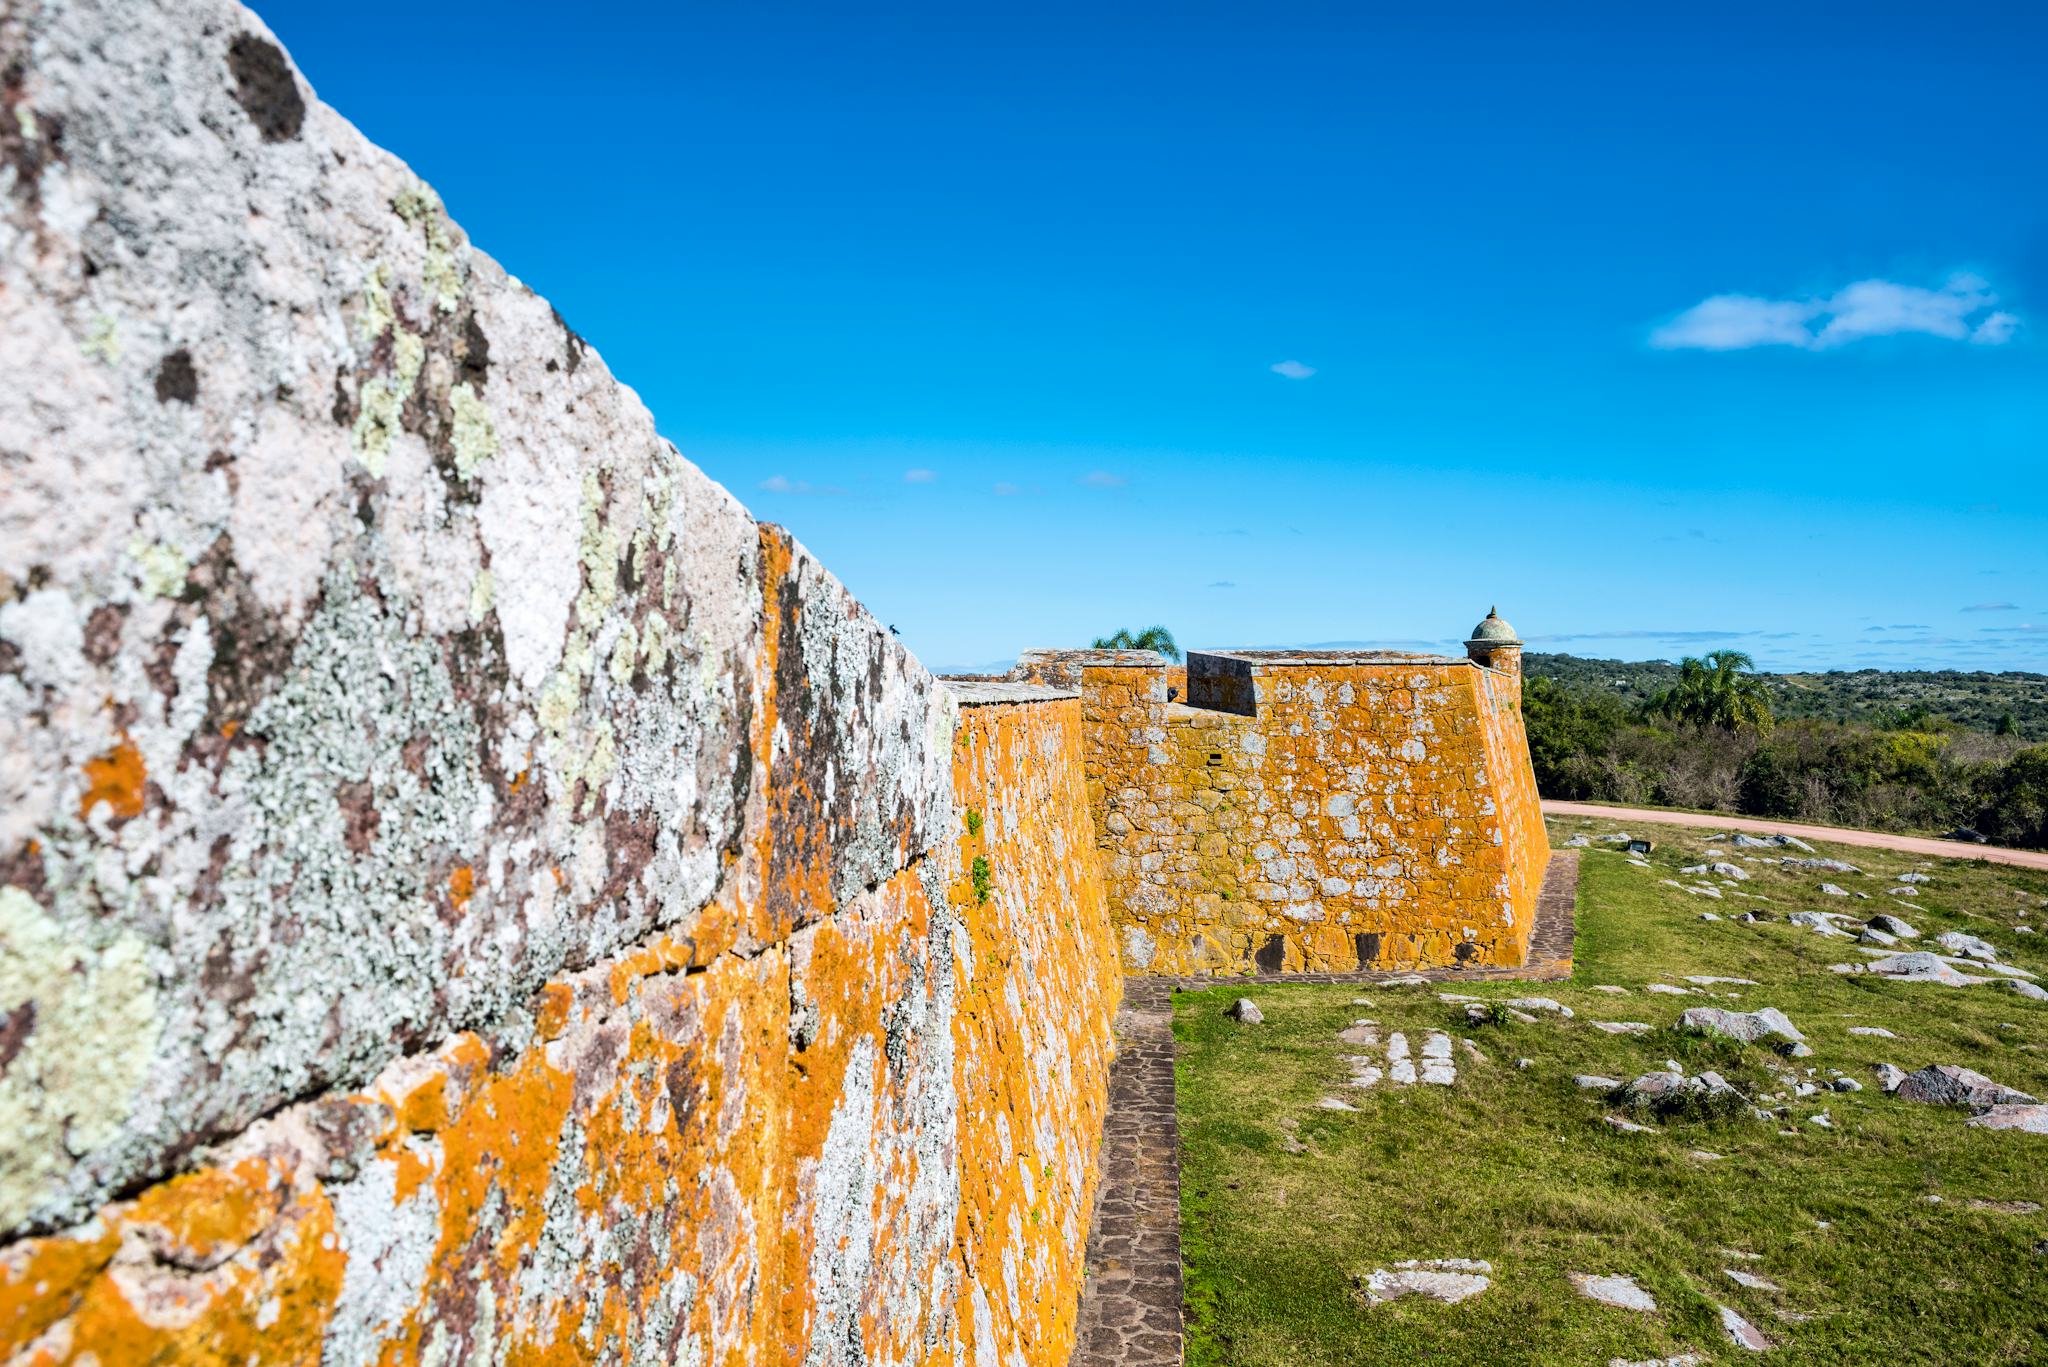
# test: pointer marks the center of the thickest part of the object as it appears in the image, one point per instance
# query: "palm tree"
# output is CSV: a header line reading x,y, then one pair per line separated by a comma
x,y
1151,638
1715,691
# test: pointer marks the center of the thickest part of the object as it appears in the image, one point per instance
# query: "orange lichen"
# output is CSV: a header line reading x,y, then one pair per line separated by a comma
x,y
1343,815
461,886
551,1012
115,778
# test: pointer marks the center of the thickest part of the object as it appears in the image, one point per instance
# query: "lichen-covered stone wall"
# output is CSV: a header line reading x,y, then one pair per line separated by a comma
x,y
1310,814
468,893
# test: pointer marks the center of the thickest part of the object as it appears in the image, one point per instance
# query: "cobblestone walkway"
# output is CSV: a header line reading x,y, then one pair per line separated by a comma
x,y
1130,1300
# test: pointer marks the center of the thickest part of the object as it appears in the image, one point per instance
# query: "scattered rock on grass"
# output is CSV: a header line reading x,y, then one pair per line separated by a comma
x,y
1747,1026
1449,1280
2006,1207
1872,936
1363,1034
1749,1279
1708,980
1832,891
1830,865
1946,1084
1245,1010
1892,925
1333,1103
1889,1076
1616,1291
1876,1030
1610,989
1682,1360
1628,1126
1968,946
1903,891
1741,1332
1541,1004
1621,1027
1593,1082
1914,878
2032,1119
1666,989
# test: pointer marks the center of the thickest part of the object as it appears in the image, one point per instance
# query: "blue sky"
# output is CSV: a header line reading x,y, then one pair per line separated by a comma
x,y
1664,330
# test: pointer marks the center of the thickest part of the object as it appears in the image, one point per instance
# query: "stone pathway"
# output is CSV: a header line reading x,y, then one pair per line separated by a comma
x,y
1130,1297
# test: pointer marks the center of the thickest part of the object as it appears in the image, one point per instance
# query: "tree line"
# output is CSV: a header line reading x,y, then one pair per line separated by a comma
x,y
1709,742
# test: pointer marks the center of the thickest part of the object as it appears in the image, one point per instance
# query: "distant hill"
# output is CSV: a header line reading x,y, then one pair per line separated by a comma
x,y
1973,701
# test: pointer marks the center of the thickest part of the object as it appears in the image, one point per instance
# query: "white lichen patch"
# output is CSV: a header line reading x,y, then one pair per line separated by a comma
x,y
474,439
160,568
90,1033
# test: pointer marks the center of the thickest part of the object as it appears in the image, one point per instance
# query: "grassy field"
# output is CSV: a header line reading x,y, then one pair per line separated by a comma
x,y
1518,1167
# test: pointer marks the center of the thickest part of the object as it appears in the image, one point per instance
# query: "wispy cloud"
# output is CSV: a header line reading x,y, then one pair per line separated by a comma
x,y
783,484
920,475
1959,310
1293,370
1992,607
2023,629
1103,479
1222,583
1005,489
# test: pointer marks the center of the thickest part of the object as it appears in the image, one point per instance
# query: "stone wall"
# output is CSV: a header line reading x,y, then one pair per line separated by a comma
x,y
471,894
1310,813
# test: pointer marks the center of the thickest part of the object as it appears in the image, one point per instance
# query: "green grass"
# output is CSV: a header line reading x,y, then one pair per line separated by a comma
x,y
1518,1168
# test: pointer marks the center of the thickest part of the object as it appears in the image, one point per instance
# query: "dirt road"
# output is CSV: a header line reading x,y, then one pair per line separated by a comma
x,y
1910,844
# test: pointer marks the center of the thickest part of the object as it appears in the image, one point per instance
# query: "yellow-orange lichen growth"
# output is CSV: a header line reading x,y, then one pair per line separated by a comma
x,y
116,779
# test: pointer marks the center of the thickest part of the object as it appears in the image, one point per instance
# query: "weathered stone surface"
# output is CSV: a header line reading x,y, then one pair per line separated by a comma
x,y
1748,1026
1245,1010
1968,946
1619,1291
2008,1116
1889,1076
1742,1333
473,891
1876,1031
1946,1084
1261,825
1593,1082
1892,925
1621,1027
1449,1280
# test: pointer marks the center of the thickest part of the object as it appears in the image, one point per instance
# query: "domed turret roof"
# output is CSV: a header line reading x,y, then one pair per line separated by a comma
x,y
1494,632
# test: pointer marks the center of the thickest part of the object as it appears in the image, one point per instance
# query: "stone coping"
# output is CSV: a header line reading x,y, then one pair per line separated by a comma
x,y
1286,659
983,692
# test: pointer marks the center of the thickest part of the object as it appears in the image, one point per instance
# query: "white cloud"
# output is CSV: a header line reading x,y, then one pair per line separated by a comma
x,y
1867,308
1103,479
1996,330
1992,607
920,476
1728,322
1005,489
1293,370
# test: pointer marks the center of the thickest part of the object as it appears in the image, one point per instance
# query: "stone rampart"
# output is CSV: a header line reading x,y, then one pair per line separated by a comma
x,y
471,893
1305,812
